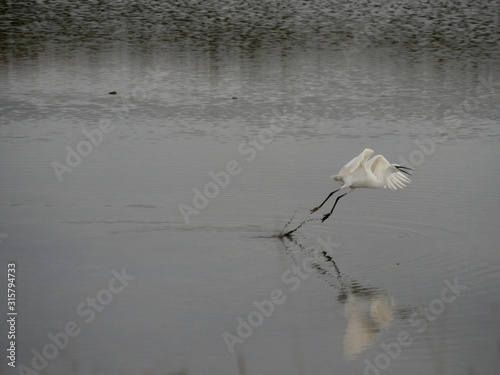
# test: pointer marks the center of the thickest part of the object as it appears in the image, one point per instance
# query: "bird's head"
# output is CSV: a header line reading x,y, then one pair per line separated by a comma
x,y
400,168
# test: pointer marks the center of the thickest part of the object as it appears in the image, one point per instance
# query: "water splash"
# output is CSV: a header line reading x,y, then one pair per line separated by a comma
x,y
284,234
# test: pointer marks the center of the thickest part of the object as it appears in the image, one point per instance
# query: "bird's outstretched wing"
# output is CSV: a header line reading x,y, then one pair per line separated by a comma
x,y
397,181
354,164
379,165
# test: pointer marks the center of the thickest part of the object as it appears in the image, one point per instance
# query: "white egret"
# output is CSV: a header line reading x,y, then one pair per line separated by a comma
x,y
363,173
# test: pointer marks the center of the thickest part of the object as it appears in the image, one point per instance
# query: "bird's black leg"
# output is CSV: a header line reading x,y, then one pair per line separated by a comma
x,y
321,205
336,200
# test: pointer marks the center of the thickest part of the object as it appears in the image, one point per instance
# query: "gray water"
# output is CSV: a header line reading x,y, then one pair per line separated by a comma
x,y
94,185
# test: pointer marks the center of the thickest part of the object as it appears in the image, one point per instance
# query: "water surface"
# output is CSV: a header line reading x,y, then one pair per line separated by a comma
x,y
382,272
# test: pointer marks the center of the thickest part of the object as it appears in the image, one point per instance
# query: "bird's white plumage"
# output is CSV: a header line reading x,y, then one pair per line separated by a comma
x,y
362,172
377,172
354,164
379,166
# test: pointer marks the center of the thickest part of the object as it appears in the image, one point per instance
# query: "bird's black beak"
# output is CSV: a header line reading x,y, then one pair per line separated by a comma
x,y
402,169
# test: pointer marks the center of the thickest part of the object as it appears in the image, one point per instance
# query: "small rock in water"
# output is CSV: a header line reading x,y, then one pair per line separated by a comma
x,y
112,93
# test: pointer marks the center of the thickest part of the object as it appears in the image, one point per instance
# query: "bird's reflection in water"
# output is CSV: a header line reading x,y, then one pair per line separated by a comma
x,y
368,310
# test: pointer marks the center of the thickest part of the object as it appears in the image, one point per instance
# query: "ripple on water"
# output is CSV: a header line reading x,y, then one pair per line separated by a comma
x,y
402,266
405,256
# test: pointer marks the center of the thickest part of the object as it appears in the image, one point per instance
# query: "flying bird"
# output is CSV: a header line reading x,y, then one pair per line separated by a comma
x,y
374,173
